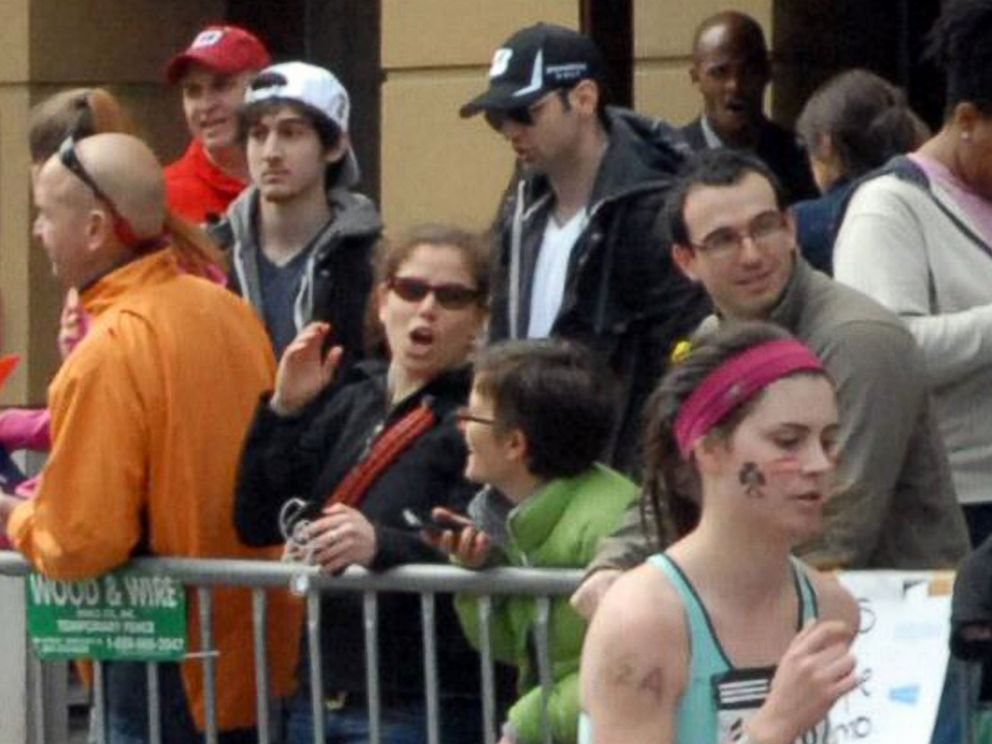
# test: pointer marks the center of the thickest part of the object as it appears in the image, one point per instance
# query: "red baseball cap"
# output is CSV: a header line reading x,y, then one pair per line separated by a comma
x,y
222,48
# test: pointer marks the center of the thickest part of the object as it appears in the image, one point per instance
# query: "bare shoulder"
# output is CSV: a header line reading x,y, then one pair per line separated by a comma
x,y
643,600
836,602
635,659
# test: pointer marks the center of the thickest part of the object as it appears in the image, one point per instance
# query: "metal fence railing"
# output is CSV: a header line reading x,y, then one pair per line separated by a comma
x,y
48,691
49,700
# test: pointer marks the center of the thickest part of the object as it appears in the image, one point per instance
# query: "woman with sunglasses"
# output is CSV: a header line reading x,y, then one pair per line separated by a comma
x,y
725,637
359,453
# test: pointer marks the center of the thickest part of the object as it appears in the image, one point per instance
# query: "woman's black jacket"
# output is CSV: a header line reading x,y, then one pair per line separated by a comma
x,y
307,456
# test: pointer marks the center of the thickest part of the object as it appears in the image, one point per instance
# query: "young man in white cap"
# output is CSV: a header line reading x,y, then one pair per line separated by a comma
x,y
301,242
581,255
213,75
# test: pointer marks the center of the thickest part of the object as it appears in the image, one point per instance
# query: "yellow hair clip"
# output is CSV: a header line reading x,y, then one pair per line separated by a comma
x,y
681,351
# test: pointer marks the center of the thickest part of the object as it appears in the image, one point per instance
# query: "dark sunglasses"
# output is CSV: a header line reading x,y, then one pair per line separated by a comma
x,y
449,296
464,415
522,114
70,159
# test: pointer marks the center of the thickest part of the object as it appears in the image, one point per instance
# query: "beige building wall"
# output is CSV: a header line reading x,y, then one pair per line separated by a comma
x,y
46,46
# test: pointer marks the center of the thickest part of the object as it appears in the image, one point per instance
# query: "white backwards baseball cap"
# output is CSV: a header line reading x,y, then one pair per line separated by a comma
x,y
315,87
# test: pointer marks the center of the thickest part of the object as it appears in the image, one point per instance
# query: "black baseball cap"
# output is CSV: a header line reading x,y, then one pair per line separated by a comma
x,y
533,62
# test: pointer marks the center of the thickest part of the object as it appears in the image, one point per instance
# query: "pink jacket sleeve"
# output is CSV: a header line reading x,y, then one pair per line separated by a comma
x,y
25,428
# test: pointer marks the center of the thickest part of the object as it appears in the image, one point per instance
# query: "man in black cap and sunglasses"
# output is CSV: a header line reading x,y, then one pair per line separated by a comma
x,y
581,252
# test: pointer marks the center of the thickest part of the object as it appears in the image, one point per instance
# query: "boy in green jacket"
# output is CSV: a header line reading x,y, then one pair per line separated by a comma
x,y
539,414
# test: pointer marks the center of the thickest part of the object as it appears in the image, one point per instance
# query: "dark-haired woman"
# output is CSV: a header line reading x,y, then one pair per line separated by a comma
x,y
852,124
383,441
725,637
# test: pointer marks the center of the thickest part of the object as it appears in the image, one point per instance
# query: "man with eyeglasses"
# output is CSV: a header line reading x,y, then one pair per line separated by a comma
x,y
149,414
580,252
300,238
894,505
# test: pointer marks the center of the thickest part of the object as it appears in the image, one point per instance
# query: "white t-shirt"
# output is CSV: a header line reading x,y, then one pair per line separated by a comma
x,y
551,271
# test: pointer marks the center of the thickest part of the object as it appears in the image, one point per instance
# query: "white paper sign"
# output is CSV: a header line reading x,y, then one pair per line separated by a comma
x,y
902,657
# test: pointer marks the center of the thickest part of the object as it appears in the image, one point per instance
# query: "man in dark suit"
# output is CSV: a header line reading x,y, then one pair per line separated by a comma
x,y
731,68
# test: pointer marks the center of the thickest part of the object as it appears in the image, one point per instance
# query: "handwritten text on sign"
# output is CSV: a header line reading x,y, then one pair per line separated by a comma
x,y
118,616
902,657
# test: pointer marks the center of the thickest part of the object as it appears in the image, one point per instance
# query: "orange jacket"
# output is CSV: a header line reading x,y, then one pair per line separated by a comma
x,y
149,414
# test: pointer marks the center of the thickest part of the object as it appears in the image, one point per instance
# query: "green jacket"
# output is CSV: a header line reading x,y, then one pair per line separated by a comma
x,y
560,526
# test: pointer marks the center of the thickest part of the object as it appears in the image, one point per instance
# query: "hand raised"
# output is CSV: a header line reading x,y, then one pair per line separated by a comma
x,y
304,370
816,670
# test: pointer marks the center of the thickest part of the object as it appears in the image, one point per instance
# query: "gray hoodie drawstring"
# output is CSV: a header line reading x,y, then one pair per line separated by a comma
x,y
516,234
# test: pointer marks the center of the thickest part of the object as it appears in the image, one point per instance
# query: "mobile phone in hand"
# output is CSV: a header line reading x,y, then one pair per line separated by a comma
x,y
429,523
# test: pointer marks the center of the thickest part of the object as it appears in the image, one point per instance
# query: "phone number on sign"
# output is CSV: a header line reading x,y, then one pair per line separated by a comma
x,y
128,644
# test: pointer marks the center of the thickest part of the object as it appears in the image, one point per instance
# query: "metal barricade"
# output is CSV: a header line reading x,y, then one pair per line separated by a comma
x,y
47,692
427,580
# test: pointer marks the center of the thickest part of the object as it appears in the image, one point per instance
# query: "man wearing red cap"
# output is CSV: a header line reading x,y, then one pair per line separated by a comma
x,y
213,74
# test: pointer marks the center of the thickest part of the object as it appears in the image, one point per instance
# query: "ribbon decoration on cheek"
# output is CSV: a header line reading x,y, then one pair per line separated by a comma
x,y
753,480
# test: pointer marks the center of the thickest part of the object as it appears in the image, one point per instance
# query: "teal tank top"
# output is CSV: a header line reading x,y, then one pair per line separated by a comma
x,y
719,698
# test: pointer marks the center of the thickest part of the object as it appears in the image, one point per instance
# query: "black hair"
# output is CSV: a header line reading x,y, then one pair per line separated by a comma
x,y
602,99
865,116
671,484
960,42
720,167
748,28
556,393
327,130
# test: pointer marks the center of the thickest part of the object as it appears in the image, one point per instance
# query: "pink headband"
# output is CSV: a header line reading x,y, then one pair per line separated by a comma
x,y
736,381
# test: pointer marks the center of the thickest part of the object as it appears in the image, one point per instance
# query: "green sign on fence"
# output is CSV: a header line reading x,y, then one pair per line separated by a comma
x,y
122,616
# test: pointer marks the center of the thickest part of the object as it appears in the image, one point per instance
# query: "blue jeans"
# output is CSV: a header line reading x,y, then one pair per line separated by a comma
x,y
400,723
126,686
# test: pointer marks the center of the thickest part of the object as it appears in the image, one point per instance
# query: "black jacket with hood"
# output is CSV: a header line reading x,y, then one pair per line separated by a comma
x,y
337,279
623,297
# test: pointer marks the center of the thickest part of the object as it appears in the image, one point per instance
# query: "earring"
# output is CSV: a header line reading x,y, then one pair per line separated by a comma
x,y
966,136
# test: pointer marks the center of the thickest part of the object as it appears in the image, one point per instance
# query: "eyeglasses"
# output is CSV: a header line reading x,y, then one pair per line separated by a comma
x,y
465,415
521,114
70,159
764,231
449,296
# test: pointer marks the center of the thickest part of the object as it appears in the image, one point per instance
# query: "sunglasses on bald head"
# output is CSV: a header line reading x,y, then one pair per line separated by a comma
x,y
70,159
449,296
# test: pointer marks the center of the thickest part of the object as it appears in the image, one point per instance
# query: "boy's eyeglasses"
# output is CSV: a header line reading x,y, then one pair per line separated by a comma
x,y
464,415
449,296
